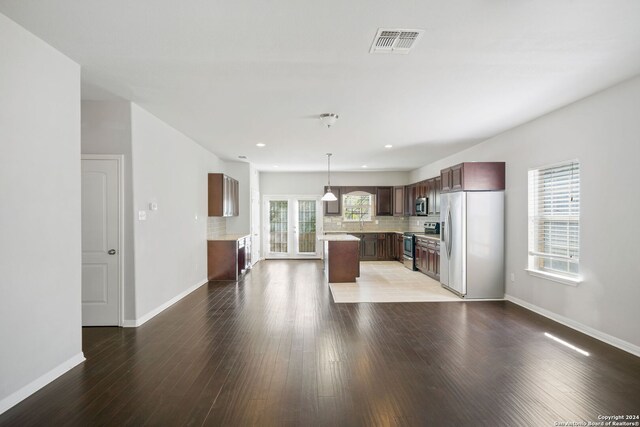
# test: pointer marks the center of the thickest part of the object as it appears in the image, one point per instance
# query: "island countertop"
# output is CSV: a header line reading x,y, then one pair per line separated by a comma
x,y
363,232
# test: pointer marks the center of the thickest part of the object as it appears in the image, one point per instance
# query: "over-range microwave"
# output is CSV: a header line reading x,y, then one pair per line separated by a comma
x,y
421,205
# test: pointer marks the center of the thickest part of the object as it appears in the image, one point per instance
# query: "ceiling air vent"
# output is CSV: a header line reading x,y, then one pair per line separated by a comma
x,y
395,41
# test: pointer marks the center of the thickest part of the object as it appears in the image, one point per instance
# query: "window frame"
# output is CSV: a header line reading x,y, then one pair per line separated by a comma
x,y
538,212
371,206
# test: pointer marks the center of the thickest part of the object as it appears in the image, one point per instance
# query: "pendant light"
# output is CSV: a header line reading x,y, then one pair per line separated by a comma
x,y
329,119
329,196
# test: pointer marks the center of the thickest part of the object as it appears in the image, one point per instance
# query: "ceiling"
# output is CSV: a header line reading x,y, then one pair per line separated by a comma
x,y
231,74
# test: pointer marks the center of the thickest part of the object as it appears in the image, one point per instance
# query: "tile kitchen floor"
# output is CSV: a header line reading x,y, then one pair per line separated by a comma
x,y
390,281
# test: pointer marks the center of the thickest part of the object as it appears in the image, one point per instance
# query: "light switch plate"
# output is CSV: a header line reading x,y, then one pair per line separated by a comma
x,y
153,206
142,215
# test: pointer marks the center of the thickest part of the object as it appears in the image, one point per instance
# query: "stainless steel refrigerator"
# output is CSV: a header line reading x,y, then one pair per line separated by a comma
x,y
472,243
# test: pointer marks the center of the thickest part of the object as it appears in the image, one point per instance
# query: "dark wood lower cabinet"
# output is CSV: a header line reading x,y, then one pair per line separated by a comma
x,y
341,261
428,257
228,259
369,245
380,246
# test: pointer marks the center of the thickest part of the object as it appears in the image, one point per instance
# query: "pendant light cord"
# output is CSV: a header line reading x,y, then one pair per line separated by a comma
x,y
329,170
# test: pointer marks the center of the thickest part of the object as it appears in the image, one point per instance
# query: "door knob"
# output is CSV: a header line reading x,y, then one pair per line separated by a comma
x,y
112,252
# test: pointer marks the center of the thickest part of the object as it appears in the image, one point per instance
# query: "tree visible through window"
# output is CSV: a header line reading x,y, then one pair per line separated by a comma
x,y
554,219
357,207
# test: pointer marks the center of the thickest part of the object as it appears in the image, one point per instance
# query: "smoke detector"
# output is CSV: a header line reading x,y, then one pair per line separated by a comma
x,y
395,40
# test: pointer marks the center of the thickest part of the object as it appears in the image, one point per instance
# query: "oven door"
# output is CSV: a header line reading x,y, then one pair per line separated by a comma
x,y
407,258
408,246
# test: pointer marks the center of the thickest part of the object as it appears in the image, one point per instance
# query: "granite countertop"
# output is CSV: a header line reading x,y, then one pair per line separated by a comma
x,y
363,232
338,238
229,237
428,236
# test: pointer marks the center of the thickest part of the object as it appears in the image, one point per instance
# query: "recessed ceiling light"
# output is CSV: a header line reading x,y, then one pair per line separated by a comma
x,y
364,166
260,144
388,146
275,166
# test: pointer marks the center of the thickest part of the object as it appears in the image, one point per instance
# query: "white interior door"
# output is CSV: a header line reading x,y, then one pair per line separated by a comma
x,y
292,225
100,242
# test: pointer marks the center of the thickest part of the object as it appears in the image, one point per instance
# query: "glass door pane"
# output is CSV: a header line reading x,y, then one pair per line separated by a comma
x,y
306,226
278,226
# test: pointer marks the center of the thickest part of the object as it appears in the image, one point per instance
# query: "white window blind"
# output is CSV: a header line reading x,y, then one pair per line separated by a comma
x,y
554,219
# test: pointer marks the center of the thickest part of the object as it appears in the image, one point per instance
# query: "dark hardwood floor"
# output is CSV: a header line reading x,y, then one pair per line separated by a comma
x,y
274,350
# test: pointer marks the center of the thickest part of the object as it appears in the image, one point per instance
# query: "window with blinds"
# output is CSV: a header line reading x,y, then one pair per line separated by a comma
x,y
554,220
357,207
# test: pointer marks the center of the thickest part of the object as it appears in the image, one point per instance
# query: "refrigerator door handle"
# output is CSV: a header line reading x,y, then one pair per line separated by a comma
x,y
449,232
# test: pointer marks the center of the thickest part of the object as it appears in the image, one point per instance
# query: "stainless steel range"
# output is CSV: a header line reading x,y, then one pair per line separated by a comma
x,y
410,243
409,250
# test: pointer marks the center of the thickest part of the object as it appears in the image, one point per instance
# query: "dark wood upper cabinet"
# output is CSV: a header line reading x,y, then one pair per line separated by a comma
x,y
363,188
474,176
384,201
410,197
445,180
437,186
334,208
434,188
224,195
457,176
398,201
431,196
423,188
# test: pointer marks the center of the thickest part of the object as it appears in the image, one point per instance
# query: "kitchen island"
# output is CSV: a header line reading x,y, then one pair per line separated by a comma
x,y
341,257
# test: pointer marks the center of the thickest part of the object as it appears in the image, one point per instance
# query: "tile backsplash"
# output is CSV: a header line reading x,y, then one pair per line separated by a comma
x,y
416,223
216,227
385,223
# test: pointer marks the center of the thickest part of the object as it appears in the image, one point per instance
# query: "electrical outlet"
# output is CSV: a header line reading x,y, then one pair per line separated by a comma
x,y
513,277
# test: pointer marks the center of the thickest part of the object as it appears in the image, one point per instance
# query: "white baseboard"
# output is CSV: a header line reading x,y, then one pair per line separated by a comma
x,y
609,339
35,385
141,320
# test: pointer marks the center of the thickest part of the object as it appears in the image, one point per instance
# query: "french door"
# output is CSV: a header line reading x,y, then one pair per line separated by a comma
x,y
292,226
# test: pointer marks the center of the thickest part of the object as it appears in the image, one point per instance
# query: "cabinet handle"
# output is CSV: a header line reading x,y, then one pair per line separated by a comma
x,y
112,252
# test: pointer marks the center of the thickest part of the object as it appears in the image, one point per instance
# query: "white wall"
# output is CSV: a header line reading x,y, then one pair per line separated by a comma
x,y
256,212
313,183
240,171
603,132
40,255
171,170
106,129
